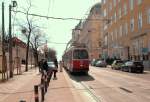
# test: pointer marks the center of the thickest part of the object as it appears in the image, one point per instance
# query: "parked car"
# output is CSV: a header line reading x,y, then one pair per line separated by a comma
x,y
100,63
93,63
51,65
133,66
117,64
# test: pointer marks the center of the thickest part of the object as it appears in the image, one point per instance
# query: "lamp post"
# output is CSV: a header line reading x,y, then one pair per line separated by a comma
x,y
14,4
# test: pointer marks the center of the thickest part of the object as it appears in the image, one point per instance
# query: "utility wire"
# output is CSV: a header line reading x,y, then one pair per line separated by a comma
x,y
57,42
37,15
60,18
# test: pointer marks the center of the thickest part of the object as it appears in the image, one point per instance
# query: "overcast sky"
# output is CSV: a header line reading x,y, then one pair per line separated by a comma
x,y
58,31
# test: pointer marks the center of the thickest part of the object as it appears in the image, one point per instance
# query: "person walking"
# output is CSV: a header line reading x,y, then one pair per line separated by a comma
x,y
40,64
60,66
45,67
55,70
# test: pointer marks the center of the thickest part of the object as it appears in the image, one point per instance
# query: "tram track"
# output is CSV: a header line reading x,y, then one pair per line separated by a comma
x,y
83,89
95,97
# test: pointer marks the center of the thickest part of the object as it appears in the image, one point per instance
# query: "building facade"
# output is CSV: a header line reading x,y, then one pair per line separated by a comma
x,y
18,54
127,34
90,32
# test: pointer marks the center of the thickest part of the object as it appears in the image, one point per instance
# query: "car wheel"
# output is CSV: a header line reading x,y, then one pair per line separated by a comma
x,y
122,69
86,73
130,70
141,71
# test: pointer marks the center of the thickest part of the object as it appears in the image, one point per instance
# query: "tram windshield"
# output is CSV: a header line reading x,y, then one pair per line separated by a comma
x,y
80,54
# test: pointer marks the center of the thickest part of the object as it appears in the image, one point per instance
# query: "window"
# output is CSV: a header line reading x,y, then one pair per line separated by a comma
x,y
104,13
114,1
115,17
120,30
126,28
110,7
105,26
140,20
80,54
112,36
148,16
132,24
106,40
111,20
120,12
116,34
131,4
125,9
139,2
104,1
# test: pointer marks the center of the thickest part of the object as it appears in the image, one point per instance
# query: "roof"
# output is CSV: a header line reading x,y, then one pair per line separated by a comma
x,y
18,42
96,7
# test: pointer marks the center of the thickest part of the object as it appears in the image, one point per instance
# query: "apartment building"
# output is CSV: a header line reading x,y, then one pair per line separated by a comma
x,y
127,35
90,32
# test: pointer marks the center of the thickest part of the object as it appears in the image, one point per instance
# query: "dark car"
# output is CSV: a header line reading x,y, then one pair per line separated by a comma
x,y
133,66
100,63
117,64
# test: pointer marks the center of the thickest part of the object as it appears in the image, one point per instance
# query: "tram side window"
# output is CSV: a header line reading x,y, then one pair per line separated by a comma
x,y
80,54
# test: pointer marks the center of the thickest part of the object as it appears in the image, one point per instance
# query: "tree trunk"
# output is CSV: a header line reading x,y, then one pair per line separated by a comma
x,y
36,58
27,52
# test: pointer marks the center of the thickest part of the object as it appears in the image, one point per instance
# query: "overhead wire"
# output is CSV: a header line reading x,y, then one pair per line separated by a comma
x,y
59,18
57,42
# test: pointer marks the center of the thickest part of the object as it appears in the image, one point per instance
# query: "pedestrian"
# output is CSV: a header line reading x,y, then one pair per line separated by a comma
x,y
55,70
60,66
40,64
45,66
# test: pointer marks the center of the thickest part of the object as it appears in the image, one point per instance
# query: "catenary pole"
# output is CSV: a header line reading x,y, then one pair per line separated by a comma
x,y
3,49
10,45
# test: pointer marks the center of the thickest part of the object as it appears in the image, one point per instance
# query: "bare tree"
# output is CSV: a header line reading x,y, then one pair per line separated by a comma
x,y
27,29
32,32
36,41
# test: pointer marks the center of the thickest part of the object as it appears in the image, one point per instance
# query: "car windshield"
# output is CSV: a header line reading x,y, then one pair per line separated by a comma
x,y
50,63
129,63
99,61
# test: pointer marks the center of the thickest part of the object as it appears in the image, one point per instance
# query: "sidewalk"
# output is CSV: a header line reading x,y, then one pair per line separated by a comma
x,y
59,90
15,71
21,88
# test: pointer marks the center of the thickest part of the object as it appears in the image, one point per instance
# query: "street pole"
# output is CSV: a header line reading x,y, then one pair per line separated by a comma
x,y
10,45
3,48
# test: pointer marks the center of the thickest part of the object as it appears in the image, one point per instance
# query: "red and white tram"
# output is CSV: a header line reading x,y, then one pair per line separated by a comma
x,y
76,59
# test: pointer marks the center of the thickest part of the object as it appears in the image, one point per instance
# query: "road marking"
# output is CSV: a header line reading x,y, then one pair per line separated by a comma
x,y
126,90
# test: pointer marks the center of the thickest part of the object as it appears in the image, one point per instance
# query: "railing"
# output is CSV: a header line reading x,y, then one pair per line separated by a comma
x,y
45,80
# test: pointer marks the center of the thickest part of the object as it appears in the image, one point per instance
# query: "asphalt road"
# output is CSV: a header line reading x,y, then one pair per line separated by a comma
x,y
101,85
107,85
